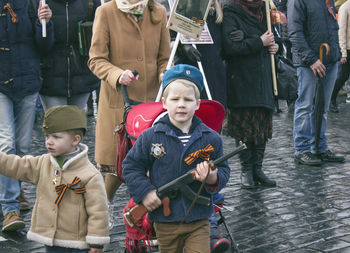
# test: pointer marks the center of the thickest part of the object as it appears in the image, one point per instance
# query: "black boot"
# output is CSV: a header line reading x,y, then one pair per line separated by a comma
x,y
258,175
247,180
245,156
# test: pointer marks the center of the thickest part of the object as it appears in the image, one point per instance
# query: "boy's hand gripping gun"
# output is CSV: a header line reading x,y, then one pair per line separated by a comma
x,y
170,190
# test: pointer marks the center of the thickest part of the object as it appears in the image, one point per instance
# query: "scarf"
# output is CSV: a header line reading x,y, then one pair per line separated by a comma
x,y
253,9
134,9
134,239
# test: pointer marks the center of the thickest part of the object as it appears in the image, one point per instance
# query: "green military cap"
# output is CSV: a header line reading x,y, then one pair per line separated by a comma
x,y
63,118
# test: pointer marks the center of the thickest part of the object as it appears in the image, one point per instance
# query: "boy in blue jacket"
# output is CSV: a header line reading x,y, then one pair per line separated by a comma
x,y
177,143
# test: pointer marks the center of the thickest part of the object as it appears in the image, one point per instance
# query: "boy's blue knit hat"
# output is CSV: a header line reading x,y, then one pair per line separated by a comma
x,y
183,71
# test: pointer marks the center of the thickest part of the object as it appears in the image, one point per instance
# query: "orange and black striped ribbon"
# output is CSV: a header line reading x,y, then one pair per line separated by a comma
x,y
62,188
201,153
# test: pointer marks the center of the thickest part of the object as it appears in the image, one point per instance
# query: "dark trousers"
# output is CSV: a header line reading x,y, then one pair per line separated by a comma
x,y
56,249
342,77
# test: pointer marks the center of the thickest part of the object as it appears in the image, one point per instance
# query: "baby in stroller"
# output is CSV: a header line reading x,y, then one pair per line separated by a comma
x,y
179,142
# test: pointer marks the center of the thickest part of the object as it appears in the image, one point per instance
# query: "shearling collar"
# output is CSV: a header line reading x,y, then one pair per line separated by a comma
x,y
84,151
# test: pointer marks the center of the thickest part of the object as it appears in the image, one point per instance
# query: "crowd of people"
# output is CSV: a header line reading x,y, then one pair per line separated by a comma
x,y
131,46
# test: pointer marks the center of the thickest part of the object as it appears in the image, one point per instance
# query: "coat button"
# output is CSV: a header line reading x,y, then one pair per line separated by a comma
x,y
139,58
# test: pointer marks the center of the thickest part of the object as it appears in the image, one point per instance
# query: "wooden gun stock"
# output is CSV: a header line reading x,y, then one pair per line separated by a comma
x,y
135,214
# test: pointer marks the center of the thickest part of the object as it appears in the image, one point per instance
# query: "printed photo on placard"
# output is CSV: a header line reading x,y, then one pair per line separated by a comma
x,y
188,16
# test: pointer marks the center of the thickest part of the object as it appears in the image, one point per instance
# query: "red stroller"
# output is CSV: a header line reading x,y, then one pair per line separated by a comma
x,y
140,238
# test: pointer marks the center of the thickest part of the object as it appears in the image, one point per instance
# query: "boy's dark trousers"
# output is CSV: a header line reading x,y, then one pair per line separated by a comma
x,y
174,237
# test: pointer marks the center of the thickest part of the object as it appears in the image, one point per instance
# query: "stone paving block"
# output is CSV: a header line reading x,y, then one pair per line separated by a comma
x,y
308,211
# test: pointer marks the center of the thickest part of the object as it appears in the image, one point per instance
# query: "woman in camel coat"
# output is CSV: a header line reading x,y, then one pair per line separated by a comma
x,y
126,37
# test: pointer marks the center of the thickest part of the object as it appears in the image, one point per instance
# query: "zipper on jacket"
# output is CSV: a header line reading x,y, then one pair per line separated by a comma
x,y
69,48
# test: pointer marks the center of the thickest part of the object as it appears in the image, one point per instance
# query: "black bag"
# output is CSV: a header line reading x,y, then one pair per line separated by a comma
x,y
287,80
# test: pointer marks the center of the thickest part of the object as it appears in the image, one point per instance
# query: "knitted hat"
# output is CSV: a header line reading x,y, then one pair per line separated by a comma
x,y
62,118
183,71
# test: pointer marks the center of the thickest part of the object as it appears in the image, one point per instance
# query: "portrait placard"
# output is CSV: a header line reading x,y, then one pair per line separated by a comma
x,y
188,17
205,37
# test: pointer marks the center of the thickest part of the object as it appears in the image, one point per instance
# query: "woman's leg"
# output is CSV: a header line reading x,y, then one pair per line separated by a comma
x,y
258,174
246,159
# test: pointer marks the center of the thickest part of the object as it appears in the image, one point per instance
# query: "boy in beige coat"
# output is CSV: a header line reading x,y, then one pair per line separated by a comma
x,y
71,208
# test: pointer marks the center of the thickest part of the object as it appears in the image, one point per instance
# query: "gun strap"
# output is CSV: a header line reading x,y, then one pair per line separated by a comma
x,y
196,197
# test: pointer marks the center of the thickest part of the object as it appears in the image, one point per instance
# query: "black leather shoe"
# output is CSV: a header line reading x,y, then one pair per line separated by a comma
x,y
260,178
329,156
308,158
247,180
219,245
333,107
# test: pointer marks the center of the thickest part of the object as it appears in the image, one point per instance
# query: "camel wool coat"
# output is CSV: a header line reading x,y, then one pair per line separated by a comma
x,y
120,43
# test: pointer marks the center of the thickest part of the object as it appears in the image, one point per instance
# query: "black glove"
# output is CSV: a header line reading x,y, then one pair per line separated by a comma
x,y
237,35
191,53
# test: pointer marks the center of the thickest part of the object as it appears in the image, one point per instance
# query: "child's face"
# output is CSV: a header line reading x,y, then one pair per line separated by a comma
x,y
61,143
181,104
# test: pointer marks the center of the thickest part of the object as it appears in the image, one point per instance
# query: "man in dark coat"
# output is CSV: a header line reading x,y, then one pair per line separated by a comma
x,y
311,23
20,37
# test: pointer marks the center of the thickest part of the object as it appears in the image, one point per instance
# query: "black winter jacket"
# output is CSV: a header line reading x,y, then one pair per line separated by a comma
x,y
249,78
309,25
65,73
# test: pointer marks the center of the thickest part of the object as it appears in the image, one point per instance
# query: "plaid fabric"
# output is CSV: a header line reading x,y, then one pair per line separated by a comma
x,y
134,239
251,124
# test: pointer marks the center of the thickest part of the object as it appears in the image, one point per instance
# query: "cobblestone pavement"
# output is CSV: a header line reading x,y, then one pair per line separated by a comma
x,y
309,210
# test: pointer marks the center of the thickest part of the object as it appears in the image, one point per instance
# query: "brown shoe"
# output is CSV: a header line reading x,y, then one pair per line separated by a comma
x,y
12,222
23,203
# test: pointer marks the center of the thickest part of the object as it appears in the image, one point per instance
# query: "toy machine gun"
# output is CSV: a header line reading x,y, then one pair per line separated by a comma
x,y
170,190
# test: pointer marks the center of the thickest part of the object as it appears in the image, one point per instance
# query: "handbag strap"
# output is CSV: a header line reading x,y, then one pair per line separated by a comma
x,y
90,10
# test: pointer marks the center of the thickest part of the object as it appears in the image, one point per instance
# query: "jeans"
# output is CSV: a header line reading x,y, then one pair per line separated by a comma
x,y
16,124
78,100
56,249
304,120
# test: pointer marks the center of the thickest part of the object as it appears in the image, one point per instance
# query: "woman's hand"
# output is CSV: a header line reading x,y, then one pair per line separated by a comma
x,y
151,201
268,39
273,48
343,60
127,77
44,12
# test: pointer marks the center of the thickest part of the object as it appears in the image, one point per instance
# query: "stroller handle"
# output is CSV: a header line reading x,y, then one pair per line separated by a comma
x,y
127,101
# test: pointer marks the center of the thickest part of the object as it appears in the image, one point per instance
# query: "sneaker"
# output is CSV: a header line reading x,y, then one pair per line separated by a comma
x,y
12,222
333,107
329,156
23,203
308,158
347,100
219,245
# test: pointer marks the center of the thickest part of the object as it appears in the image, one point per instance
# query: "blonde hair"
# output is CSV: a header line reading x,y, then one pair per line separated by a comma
x,y
218,11
184,82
